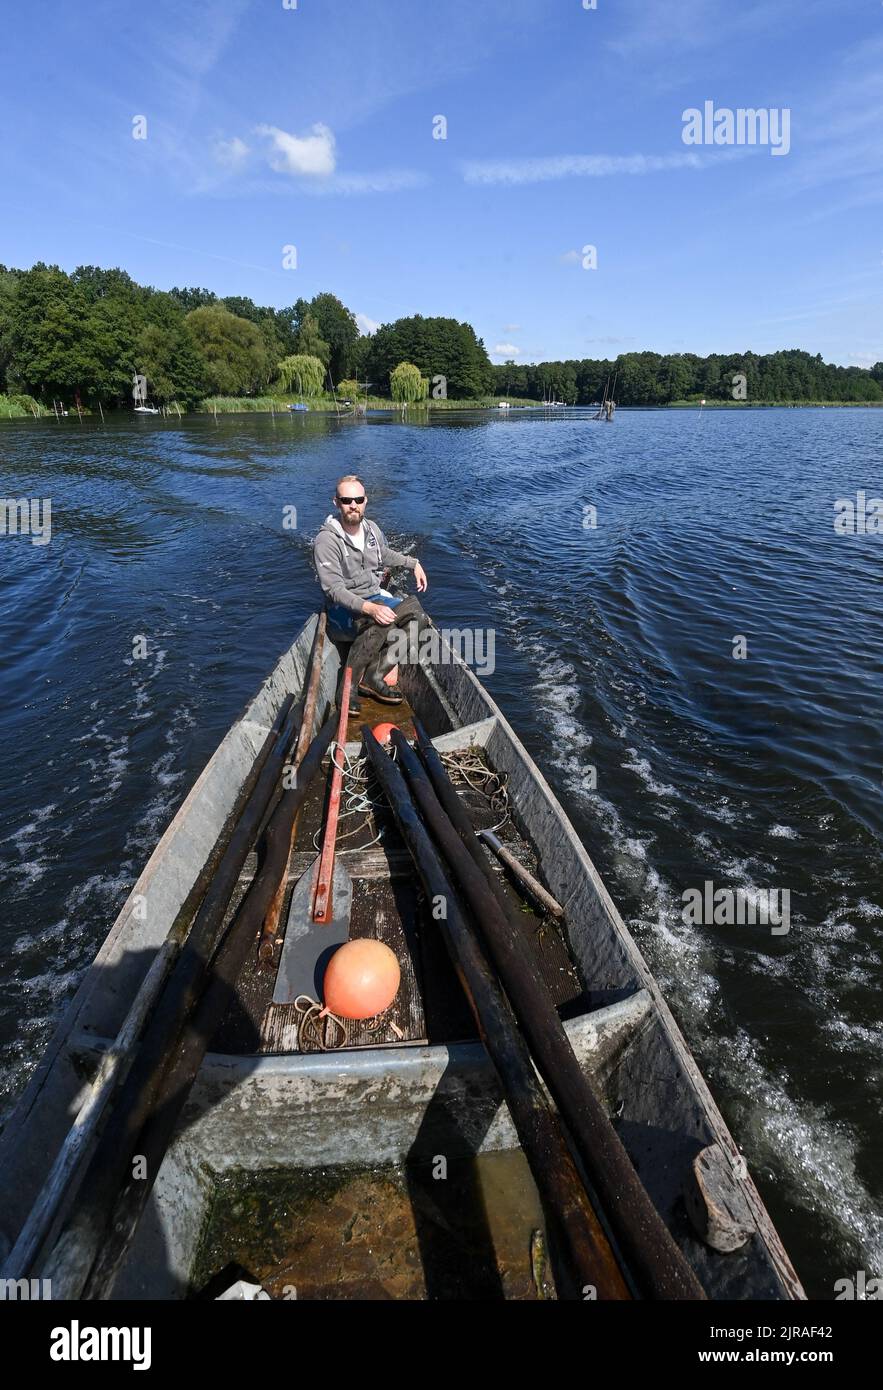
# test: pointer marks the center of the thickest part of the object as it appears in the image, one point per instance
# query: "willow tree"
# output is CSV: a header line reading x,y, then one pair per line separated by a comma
x,y
408,385
305,372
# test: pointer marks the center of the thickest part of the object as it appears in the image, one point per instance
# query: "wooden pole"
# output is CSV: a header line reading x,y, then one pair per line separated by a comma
x,y
654,1259
274,911
588,1258
156,1134
323,906
74,1251
536,889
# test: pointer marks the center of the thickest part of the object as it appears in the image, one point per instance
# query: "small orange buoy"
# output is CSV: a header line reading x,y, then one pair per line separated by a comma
x,y
362,979
382,732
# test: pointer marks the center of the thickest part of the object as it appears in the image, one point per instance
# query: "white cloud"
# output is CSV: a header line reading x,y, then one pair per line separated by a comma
x,y
231,153
511,327
311,155
506,350
517,171
366,325
313,158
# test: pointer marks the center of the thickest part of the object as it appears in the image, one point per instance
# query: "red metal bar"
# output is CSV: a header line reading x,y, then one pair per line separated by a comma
x,y
322,904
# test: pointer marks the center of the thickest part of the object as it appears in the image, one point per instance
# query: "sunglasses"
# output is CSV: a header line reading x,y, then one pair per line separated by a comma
x,y
346,501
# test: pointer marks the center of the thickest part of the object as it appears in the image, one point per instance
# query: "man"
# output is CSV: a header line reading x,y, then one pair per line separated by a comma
x,y
351,555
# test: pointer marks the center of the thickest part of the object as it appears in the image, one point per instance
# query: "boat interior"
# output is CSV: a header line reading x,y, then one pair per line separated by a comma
x,y
388,902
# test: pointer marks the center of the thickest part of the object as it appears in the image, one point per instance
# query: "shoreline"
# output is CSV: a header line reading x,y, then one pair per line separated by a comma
x,y
435,407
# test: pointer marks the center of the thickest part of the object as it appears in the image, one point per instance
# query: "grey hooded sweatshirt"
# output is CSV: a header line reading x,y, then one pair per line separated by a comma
x,y
347,574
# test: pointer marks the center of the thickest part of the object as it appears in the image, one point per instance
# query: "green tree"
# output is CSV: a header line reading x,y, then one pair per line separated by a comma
x,y
234,350
301,373
338,328
190,299
8,290
50,345
407,385
439,348
310,342
174,369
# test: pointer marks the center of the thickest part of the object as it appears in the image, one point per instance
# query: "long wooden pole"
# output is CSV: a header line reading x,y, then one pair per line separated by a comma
x,y
323,906
270,927
74,1250
654,1259
588,1258
156,1134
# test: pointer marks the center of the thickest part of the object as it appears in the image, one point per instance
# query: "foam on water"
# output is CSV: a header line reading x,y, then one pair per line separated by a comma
x,y
820,1156
641,768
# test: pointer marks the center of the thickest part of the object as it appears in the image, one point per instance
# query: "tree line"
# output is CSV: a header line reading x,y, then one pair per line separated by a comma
x,y
83,336
651,378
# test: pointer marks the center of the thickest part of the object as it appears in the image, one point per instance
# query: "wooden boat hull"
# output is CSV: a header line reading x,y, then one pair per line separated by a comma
x,y
255,1111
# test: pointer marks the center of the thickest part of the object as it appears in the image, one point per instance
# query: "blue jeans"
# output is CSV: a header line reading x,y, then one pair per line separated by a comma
x,y
343,622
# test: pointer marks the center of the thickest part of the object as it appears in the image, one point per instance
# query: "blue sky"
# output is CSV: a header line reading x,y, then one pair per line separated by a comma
x,y
312,126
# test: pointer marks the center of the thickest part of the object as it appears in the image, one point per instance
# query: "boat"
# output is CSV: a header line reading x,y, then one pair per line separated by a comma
x,y
313,1147
146,410
298,408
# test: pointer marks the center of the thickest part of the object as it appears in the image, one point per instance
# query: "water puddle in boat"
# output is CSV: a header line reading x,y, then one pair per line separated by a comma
x,y
397,1232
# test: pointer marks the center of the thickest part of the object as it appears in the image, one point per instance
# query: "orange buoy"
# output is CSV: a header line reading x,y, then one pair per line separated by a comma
x,y
362,979
382,732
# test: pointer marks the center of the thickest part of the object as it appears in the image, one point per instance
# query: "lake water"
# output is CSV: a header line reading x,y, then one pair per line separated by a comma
x,y
682,753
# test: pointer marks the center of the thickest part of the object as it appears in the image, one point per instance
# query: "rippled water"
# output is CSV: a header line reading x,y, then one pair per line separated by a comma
x,y
614,660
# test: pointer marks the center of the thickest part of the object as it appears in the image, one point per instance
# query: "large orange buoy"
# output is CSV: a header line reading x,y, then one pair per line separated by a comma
x,y
382,732
362,979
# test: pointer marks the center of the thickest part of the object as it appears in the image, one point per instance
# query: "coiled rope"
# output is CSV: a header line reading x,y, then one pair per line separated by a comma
x,y
470,768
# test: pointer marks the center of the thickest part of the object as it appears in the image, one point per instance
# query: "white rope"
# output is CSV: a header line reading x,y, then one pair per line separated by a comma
x,y
356,801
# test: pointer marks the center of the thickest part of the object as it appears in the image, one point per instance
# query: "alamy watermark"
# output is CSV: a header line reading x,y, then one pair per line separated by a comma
x,y
78,1343
861,1287
442,646
20,516
25,1290
737,907
863,517
769,125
